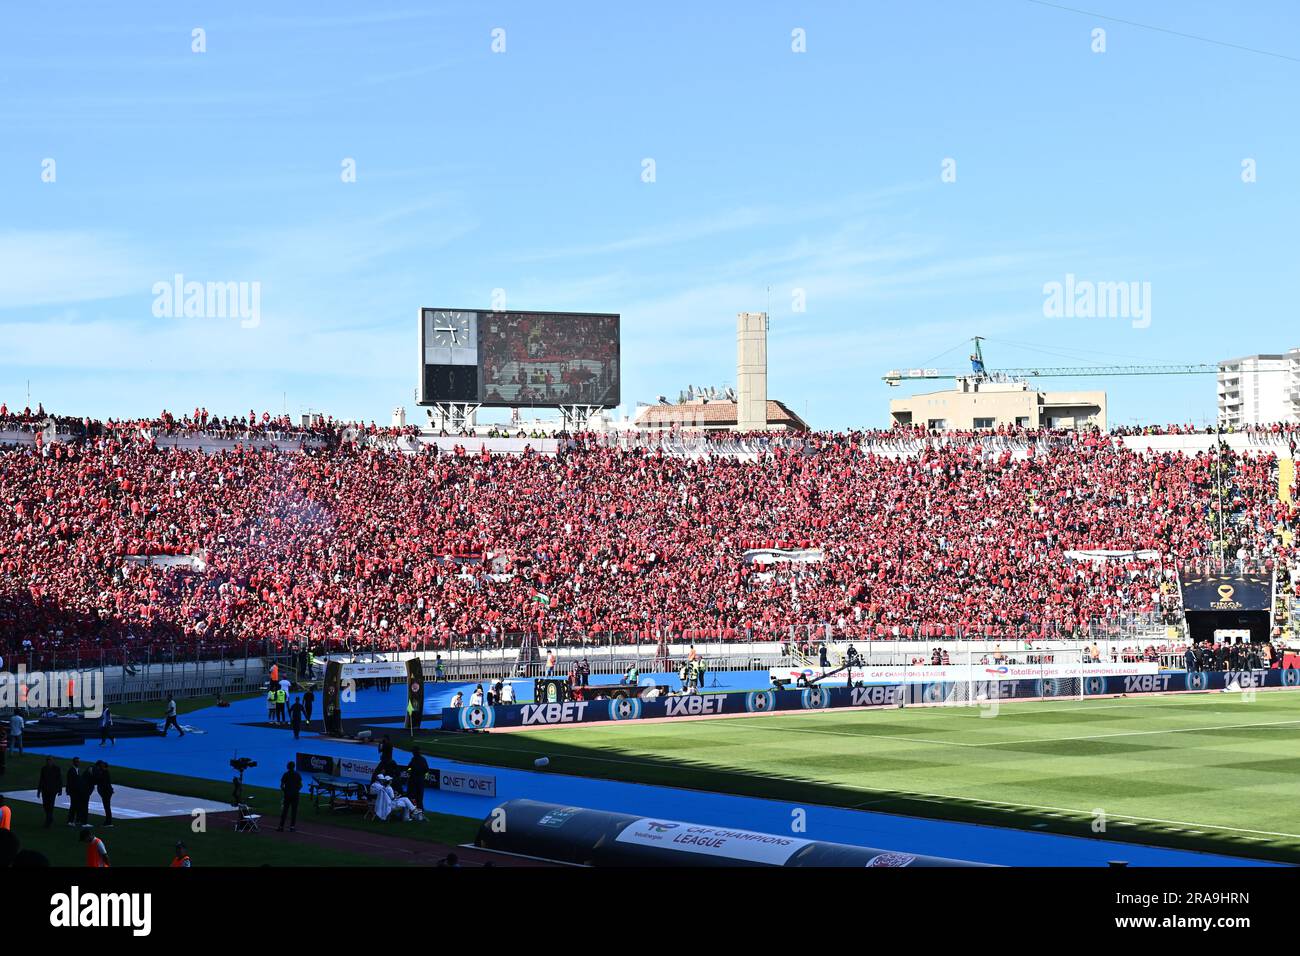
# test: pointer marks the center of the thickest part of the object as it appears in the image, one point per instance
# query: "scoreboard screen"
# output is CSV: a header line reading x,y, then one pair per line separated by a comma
x,y
519,359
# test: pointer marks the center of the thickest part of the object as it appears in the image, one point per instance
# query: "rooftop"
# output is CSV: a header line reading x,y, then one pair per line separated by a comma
x,y
713,413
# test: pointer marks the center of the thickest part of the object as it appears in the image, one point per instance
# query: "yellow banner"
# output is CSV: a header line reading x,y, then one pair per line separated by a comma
x,y
1285,479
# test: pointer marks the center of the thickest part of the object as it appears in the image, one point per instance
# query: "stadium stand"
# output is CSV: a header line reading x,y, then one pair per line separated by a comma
x,y
114,542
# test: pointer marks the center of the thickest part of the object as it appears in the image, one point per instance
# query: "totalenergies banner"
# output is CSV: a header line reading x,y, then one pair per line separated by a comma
x,y
483,717
1227,592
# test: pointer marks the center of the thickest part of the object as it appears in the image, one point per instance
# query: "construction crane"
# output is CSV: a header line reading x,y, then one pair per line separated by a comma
x,y
980,373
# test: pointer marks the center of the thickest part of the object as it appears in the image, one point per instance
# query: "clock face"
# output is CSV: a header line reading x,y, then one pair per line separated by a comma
x,y
450,337
451,330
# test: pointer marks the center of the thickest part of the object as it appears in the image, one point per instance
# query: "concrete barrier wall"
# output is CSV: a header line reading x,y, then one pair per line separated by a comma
x,y
1195,444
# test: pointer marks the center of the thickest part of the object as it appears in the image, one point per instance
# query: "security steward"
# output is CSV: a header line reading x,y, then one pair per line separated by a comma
x,y
96,852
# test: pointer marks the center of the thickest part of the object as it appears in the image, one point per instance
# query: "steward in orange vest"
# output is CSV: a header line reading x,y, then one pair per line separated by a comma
x,y
96,852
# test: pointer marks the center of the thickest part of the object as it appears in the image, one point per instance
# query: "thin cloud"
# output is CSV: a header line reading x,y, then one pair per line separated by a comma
x,y
47,267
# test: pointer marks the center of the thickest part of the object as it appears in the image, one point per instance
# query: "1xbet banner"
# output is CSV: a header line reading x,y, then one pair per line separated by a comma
x,y
484,717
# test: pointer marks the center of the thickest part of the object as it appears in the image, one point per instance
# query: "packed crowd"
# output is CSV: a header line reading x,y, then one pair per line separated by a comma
x,y
350,546
322,429
1262,428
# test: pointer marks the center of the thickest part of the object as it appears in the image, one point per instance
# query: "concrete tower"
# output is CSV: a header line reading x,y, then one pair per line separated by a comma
x,y
751,371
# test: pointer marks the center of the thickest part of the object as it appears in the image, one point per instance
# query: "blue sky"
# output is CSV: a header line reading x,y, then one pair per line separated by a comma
x,y
523,171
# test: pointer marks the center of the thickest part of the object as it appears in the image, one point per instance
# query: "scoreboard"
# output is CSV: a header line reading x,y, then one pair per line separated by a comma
x,y
519,359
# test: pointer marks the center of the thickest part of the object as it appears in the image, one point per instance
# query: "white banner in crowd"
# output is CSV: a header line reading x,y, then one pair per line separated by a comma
x,y
190,562
1101,555
792,555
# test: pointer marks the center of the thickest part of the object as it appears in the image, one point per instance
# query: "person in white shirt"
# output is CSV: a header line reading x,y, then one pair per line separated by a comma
x,y
388,803
457,700
507,693
16,725
476,698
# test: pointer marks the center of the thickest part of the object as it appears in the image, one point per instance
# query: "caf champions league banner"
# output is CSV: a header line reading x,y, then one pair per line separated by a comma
x,y
483,717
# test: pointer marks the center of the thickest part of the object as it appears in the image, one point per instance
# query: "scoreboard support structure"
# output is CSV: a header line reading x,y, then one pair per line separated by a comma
x,y
576,417
454,415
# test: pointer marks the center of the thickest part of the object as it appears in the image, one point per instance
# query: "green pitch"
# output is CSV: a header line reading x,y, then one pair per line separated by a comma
x,y
1215,772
